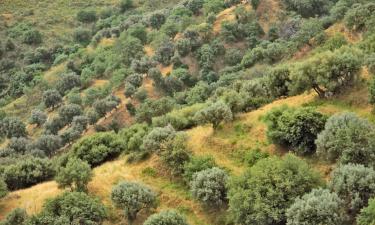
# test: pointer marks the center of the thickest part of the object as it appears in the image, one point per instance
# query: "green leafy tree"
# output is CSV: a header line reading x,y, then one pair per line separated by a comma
x,y
165,53
32,37
277,80
175,153
154,140
209,187
37,117
129,48
71,208
68,82
82,36
269,188
215,114
167,217
157,19
86,16
367,215
68,112
132,198
51,98
197,164
76,175
17,216
125,5
49,144
295,128
326,73
3,189
19,145
348,139
12,127
309,8
355,185
315,208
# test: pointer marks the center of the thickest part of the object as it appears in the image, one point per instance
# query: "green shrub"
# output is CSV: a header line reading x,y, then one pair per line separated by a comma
x,y
214,114
82,36
97,148
132,198
317,207
76,174
86,16
367,215
197,164
269,188
167,217
295,128
348,139
209,187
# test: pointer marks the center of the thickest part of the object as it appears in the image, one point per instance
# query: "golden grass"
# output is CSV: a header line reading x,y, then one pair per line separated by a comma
x,y
149,50
99,83
31,199
165,70
351,37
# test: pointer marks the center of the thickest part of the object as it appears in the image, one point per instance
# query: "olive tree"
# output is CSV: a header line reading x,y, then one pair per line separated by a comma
x,y
354,184
348,139
37,117
154,140
132,198
76,175
264,193
167,217
295,128
209,187
215,113
320,206
68,112
367,215
12,127
51,98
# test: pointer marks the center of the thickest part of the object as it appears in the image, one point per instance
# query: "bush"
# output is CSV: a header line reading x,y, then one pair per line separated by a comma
x,y
254,155
19,145
27,172
277,80
3,189
367,215
315,208
213,6
167,217
295,128
17,216
82,36
37,117
233,57
68,82
214,114
157,19
309,8
76,175
355,184
175,153
32,37
327,73
197,164
132,198
269,188
71,208
133,137
53,125
86,16
209,187
165,53
154,140
49,144
348,139
51,98
125,5
12,127
359,15
183,46
68,112
370,63
97,148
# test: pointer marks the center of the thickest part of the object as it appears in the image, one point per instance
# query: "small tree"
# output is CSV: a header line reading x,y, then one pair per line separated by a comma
x,y
126,5
17,216
367,215
37,117
355,184
264,193
86,16
12,127
132,198
167,217
154,140
209,187
165,53
295,128
72,208
175,153
19,145
68,112
197,164
215,114
49,144
318,207
3,188
157,19
348,139
68,82
51,98
76,175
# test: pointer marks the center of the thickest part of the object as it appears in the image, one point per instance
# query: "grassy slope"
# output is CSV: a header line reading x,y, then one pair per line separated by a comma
x,y
227,146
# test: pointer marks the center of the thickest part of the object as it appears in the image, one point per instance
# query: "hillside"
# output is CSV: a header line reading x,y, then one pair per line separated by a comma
x,y
176,112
